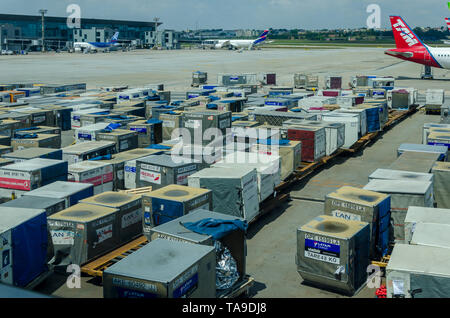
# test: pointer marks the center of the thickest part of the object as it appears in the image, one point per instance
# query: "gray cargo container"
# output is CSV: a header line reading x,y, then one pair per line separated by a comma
x,y
417,215
129,214
83,232
334,253
441,172
161,170
163,269
415,162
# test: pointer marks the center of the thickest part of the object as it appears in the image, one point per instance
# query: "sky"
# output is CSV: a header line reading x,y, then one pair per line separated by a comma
x,y
243,14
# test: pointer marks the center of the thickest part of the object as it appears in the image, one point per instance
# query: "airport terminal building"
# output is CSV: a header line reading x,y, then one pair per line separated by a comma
x,y
24,32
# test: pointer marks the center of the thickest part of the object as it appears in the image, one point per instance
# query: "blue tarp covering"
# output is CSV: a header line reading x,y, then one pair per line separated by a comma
x,y
30,250
27,129
281,142
211,106
106,157
153,121
25,136
170,112
157,146
215,227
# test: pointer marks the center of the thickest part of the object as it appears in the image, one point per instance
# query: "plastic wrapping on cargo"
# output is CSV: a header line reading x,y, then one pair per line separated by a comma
x,y
226,268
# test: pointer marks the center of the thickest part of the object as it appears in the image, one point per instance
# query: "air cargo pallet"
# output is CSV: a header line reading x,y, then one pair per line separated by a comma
x,y
241,289
96,267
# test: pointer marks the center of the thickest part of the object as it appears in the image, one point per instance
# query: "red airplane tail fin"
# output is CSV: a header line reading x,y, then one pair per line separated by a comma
x,y
404,36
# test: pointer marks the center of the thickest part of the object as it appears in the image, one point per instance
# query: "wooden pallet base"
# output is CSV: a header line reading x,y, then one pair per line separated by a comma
x,y
96,267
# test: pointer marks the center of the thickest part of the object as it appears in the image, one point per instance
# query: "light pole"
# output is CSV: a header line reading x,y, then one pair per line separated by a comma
x,y
156,20
1,37
43,12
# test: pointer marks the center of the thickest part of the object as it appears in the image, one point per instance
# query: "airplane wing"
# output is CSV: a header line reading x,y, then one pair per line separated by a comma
x,y
226,43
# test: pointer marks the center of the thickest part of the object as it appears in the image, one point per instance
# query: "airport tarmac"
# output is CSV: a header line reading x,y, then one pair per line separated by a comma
x,y
272,239
174,68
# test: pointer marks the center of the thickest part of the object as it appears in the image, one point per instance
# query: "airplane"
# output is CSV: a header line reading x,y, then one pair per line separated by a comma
x,y
238,44
97,46
411,48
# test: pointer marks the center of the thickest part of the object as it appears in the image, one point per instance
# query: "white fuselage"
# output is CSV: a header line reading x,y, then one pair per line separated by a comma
x,y
442,56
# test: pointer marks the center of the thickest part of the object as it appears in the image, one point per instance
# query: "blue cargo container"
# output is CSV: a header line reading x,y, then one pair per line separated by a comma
x,y
23,245
373,119
277,102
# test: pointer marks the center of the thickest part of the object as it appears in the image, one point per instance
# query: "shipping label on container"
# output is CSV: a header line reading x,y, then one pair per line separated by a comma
x,y
84,136
322,249
62,237
104,233
139,130
39,119
195,124
150,167
15,180
6,275
348,205
132,284
149,176
126,293
168,123
182,179
198,201
346,215
131,218
187,168
225,123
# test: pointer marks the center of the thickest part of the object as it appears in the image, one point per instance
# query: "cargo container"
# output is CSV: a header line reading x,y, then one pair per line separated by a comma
x,y
235,191
161,170
268,168
5,162
312,139
441,172
149,132
32,174
94,118
129,215
351,203
56,88
334,253
8,126
4,150
50,205
37,130
5,141
289,152
88,150
36,141
126,111
441,150
416,215
439,139
32,153
83,232
199,123
130,166
399,99
300,80
415,161
316,101
234,241
432,235
124,139
277,118
236,79
188,271
434,97
121,119
70,192
61,115
23,245
89,133
171,202
388,174
403,194
24,119
362,115
333,82
76,115
334,133
39,116
98,173
199,78
428,126
417,271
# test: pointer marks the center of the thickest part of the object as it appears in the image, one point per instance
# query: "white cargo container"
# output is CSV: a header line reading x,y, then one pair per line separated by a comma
x,y
431,234
362,113
89,132
88,150
76,115
435,97
419,272
98,173
352,126
428,126
420,214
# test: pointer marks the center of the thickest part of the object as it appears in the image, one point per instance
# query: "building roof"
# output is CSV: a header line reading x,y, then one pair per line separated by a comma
x,y
37,18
